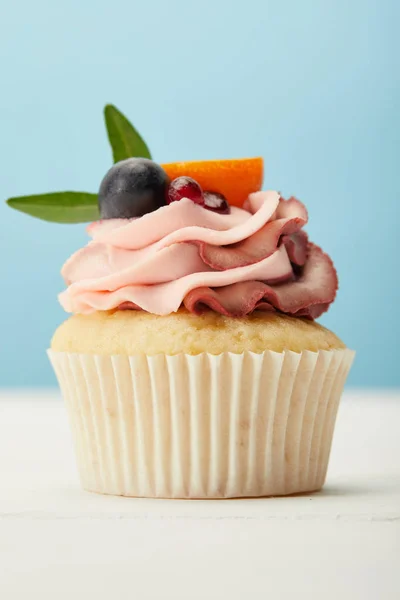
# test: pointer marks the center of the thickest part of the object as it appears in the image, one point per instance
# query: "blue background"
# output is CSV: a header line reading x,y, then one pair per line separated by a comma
x,y
313,86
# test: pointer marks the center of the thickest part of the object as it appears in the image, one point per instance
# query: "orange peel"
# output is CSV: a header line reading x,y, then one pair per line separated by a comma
x,y
234,178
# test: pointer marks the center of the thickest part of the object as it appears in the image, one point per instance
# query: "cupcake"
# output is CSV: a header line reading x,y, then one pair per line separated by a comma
x,y
192,365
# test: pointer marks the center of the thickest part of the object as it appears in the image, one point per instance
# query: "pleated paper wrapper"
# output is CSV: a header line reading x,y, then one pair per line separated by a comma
x,y
232,425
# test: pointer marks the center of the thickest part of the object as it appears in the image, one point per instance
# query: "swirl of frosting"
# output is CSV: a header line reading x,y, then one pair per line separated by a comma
x,y
257,257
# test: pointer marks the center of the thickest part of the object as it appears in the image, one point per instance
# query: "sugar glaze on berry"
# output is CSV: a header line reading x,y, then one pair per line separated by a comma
x,y
185,187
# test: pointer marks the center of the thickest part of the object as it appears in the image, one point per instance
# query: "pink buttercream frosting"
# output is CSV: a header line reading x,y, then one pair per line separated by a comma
x,y
157,262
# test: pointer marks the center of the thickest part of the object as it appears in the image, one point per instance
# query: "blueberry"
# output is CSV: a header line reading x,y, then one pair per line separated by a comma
x,y
132,188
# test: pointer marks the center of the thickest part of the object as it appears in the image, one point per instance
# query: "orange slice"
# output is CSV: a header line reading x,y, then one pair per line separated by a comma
x,y
235,179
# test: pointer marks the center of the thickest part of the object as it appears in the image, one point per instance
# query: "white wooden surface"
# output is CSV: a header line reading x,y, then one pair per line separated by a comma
x,y
58,542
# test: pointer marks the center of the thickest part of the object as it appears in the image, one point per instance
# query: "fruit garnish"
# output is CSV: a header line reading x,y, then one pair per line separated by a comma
x,y
132,188
234,179
124,194
185,187
216,202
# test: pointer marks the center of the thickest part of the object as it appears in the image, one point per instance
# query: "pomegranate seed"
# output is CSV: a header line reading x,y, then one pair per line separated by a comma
x,y
216,202
185,187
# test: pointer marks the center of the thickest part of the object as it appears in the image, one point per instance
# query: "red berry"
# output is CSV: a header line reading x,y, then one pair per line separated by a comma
x,y
185,187
216,202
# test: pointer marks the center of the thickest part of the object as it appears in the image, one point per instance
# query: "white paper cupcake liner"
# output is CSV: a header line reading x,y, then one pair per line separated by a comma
x,y
205,426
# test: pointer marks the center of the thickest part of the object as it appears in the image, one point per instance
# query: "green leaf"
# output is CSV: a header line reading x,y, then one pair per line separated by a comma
x,y
59,207
125,141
